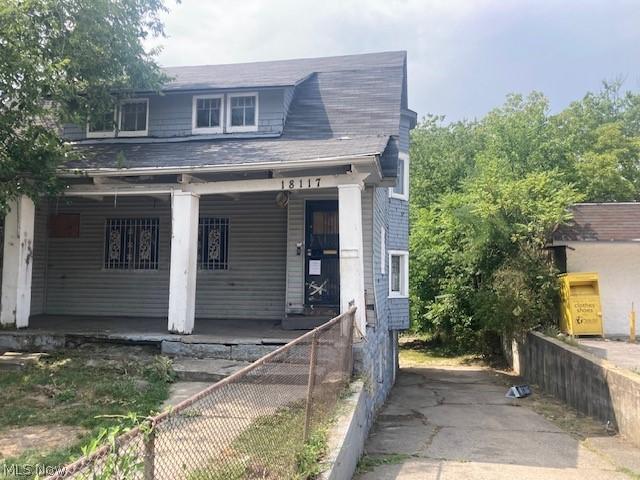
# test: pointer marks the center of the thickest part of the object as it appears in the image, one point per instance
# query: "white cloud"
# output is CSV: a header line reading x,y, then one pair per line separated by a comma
x,y
464,55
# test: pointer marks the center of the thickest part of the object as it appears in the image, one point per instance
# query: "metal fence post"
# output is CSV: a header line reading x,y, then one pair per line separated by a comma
x,y
150,454
310,385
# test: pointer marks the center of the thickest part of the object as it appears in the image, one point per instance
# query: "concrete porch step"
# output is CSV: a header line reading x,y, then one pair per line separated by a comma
x,y
205,369
214,369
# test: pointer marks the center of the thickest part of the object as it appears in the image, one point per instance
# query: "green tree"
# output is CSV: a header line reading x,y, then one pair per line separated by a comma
x,y
63,61
486,196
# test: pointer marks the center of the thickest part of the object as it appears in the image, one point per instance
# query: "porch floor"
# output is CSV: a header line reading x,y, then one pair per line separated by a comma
x,y
152,330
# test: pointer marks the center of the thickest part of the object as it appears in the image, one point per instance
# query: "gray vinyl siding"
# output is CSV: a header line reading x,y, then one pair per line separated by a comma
x,y
253,287
398,238
39,267
77,284
381,284
171,115
367,252
295,262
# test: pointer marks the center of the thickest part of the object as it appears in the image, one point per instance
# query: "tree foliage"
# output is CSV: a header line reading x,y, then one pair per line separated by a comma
x,y
486,196
61,61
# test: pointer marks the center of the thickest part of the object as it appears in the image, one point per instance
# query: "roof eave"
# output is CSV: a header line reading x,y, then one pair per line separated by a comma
x,y
170,170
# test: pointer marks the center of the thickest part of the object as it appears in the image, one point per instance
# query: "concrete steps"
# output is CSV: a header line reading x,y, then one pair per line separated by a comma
x,y
205,369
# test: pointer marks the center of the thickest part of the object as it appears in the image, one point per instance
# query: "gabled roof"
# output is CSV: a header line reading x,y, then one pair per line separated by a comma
x,y
341,107
604,222
275,73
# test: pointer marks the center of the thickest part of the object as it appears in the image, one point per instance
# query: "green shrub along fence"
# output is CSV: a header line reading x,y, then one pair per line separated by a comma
x,y
260,422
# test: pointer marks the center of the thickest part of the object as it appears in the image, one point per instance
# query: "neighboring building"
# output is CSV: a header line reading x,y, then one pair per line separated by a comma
x,y
605,238
271,190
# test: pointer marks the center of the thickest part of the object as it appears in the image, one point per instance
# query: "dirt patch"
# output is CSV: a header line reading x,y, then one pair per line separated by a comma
x,y
16,441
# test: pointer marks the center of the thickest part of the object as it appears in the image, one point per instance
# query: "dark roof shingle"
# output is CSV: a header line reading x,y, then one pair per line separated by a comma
x,y
275,73
601,222
345,106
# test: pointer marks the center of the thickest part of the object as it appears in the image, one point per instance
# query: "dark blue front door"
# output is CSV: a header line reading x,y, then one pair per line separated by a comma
x,y
322,261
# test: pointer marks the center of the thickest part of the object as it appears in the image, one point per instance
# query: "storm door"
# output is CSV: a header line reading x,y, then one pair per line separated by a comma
x,y
322,261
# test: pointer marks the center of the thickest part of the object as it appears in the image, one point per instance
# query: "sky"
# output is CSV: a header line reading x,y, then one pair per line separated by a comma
x,y
464,56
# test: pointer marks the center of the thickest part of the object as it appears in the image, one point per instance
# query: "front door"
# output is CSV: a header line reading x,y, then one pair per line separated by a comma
x,y
322,261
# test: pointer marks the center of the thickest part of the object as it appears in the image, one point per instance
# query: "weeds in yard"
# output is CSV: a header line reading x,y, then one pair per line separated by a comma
x,y
82,390
118,463
269,448
369,462
272,448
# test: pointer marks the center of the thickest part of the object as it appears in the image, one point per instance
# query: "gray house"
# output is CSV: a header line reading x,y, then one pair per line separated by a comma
x,y
271,191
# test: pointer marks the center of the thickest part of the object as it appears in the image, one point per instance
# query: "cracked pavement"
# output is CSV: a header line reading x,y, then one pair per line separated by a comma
x,y
446,423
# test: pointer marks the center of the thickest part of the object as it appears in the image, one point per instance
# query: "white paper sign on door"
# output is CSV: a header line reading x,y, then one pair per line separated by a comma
x,y
315,267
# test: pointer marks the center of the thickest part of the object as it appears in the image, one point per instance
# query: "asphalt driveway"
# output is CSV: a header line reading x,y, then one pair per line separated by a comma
x,y
449,423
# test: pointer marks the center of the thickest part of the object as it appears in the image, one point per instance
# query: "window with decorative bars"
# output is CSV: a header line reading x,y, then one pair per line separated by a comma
x,y
213,243
131,243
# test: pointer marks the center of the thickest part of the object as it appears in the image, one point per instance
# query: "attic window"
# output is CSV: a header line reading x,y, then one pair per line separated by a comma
x,y
242,112
207,114
102,126
134,118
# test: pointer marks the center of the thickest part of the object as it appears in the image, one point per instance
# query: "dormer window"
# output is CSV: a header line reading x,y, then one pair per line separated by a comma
x,y
242,112
207,114
103,126
134,116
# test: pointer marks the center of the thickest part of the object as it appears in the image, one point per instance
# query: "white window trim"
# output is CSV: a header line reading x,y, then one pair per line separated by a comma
x,y
104,133
404,278
194,116
244,128
402,157
133,133
383,247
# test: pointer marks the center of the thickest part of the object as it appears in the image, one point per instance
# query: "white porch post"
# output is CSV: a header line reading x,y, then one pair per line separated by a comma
x,y
17,263
184,255
351,256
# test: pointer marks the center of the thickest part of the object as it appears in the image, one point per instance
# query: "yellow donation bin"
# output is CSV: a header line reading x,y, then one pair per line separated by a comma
x,y
581,313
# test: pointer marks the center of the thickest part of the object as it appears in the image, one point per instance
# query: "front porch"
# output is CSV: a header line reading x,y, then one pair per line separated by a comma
x,y
230,339
134,260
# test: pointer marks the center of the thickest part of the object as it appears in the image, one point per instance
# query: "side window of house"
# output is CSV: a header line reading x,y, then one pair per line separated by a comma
x,y
242,115
131,243
401,189
398,274
213,243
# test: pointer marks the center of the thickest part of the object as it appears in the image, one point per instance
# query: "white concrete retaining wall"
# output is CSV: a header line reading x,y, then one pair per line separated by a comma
x,y
589,384
347,437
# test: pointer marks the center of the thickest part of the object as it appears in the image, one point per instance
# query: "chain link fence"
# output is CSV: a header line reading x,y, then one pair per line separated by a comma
x,y
256,424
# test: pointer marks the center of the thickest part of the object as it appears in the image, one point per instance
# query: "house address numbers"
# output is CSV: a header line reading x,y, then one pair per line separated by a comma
x,y
301,183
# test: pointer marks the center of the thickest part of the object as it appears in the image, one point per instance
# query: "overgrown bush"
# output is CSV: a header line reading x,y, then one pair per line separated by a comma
x,y
486,196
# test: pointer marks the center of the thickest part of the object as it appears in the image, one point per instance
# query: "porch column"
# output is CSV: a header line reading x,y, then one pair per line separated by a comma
x,y
351,256
184,255
17,263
